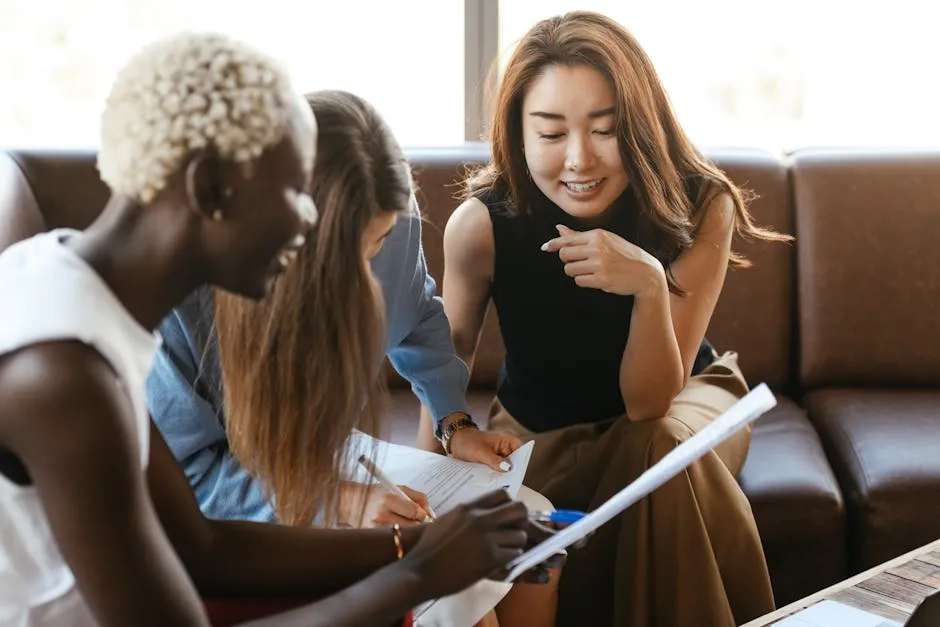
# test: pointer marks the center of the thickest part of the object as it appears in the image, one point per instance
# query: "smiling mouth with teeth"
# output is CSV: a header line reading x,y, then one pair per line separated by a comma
x,y
582,187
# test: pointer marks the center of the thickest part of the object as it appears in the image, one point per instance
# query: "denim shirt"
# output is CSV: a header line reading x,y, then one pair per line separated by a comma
x,y
184,391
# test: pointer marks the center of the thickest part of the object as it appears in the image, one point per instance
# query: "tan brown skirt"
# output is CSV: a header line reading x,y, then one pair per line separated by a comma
x,y
688,555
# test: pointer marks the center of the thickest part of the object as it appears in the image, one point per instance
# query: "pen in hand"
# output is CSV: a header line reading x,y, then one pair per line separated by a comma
x,y
386,483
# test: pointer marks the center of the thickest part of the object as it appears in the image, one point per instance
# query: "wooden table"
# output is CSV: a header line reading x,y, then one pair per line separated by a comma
x,y
891,590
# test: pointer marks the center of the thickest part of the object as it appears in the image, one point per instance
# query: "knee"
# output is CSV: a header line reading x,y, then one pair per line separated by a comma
x,y
663,435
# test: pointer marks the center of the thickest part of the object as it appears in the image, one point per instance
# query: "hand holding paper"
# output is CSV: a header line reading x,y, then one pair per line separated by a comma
x,y
447,482
746,410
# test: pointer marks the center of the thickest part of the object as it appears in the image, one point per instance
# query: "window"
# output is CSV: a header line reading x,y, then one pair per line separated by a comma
x,y
780,76
58,58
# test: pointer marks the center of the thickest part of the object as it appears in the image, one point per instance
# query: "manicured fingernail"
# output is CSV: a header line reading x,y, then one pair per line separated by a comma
x,y
545,246
505,466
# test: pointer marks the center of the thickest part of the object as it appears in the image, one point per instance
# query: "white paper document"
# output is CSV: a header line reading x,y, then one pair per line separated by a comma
x,y
446,481
834,614
746,410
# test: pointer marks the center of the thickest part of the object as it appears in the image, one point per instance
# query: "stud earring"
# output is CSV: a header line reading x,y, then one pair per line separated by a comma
x,y
217,215
227,192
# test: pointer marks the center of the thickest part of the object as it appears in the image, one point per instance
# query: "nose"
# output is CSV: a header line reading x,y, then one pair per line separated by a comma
x,y
580,155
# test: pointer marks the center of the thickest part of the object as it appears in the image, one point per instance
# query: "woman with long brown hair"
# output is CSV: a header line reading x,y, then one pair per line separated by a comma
x,y
301,368
299,371
603,236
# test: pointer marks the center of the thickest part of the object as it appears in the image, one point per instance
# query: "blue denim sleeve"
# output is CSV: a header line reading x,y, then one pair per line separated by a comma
x,y
425,356
186,407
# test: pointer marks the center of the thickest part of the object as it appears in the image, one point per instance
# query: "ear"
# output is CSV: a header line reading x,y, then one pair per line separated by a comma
x,y
204,188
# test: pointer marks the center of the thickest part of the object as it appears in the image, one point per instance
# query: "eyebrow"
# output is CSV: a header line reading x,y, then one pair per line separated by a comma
x,y
600,113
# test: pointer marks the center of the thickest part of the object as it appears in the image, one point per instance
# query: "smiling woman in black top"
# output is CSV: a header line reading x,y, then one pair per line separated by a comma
x,y
603,238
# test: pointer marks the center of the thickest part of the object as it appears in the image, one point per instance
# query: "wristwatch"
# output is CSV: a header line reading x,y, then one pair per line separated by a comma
x,y
466,422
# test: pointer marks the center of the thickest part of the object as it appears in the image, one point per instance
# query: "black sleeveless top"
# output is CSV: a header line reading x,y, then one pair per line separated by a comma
x,y
564,343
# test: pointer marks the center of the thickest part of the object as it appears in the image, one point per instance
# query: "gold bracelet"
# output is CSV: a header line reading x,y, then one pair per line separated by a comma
x,y
396,536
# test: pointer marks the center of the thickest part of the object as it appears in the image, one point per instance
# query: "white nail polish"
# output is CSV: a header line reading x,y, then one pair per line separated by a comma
x,y
545,246
505,466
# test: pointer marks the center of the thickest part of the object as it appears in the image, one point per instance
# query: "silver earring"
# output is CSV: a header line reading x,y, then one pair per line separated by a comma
x,y
227,192
217,215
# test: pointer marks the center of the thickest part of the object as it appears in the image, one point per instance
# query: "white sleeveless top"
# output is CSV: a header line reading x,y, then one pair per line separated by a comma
x,y
50,294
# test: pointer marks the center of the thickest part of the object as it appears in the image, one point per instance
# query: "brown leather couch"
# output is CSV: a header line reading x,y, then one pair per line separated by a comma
x,y
845,472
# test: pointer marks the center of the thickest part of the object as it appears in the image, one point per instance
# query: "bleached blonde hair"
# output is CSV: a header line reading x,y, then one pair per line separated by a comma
x,y
188,92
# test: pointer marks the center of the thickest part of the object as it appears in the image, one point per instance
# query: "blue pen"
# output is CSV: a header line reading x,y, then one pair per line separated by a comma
x,y
561,516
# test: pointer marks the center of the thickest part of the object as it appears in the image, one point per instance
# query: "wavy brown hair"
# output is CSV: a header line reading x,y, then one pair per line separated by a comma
x,y
672,181
301,368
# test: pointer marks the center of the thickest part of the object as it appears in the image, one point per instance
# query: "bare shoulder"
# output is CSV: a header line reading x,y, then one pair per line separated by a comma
x,y
468,236
718,218
58,396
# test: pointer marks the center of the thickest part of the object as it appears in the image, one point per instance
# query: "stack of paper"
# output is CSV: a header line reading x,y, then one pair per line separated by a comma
x,y
446,481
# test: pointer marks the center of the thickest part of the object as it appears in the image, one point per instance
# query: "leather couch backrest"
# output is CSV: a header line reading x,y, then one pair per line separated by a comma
x,y
869,267
48,189
65,185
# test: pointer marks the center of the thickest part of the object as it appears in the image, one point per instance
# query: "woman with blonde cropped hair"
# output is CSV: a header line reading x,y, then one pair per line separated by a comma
x,y
208,153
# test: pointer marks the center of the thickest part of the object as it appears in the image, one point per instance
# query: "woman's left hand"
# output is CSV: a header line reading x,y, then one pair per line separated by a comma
x,y
602,260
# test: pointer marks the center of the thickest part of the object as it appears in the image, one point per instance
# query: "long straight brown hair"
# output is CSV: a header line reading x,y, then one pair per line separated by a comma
x,y
671,179
302,368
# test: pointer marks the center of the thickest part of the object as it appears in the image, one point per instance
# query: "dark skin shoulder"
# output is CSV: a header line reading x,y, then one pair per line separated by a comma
x,y
64,414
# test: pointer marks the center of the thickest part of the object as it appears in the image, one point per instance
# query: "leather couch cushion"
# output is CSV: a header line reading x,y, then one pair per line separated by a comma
x,y
869,267
884,446
796,503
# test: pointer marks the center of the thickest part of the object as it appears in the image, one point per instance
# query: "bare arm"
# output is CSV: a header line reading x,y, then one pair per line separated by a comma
x,y
232,558
666,330
73,428
74,431
469,260
79,439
